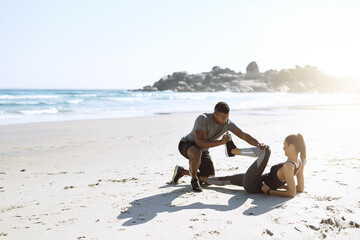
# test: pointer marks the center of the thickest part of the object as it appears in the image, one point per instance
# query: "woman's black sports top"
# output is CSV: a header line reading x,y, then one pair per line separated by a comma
x,y
271,179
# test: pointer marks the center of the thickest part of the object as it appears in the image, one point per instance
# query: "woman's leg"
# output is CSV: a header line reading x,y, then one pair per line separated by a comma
x,y
253,174
228,180
231,150
250,152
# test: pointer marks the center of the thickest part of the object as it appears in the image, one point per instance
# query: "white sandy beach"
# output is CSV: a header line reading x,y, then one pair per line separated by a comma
x,y
107,179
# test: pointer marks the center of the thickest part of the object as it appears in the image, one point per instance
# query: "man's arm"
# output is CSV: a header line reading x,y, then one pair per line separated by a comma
x,y
246,137
202,142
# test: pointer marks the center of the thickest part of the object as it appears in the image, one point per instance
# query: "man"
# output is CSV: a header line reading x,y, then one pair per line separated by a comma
x,y
207,130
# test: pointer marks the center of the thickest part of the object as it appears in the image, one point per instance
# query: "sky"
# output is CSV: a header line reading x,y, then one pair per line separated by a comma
x,y
124,44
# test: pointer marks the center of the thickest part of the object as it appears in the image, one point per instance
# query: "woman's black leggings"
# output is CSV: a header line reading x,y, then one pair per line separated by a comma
x,y
249,180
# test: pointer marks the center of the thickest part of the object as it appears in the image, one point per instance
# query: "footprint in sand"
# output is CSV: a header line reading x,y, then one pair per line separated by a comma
x,y
123,180
313,227
267,231
93,185
331,223
325,198
354,224
349,210
341,183
214,232
57,173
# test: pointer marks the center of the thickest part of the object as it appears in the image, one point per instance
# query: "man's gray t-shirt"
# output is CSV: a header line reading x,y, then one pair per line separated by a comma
x,y
205,122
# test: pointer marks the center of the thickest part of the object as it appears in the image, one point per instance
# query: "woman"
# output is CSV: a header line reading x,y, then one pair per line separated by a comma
x,y
280,180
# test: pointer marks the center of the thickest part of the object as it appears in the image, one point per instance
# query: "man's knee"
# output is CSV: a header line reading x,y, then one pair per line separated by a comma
x,y
194,153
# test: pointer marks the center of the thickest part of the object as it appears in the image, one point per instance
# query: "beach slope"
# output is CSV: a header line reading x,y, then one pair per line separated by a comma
x,y
107,179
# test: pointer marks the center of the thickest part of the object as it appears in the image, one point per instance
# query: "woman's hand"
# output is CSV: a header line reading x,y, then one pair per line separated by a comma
x,y
264,188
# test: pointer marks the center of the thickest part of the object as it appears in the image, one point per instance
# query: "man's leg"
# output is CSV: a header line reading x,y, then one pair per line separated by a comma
x,y
206,168
194,154
180,171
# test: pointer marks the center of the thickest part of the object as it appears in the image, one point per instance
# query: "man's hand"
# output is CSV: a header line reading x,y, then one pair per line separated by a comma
x,y
226,138
262,146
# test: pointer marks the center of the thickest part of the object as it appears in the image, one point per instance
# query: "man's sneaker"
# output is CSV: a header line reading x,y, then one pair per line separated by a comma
x,y
229,146
177,174
195,185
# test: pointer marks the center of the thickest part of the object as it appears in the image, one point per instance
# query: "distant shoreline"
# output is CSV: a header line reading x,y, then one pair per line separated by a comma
x,y
306,79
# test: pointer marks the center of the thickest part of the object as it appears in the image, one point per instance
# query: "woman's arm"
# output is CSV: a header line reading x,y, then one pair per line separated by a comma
x,y
290,181
281,193
299,187
300,180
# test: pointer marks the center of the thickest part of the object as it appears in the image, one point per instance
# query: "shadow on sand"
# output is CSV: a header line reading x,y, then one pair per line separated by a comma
x,y
145,209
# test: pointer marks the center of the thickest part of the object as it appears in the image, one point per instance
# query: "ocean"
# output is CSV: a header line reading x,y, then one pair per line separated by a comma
x,y
24,106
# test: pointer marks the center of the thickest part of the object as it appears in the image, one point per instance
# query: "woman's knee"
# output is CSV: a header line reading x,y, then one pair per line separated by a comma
x,y
250,185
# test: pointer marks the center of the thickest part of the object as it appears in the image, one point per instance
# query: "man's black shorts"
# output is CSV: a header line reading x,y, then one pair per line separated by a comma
x,y
206,167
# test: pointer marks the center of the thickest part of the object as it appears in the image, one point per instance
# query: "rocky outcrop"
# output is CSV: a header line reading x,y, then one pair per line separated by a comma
x,y
252,71
300,79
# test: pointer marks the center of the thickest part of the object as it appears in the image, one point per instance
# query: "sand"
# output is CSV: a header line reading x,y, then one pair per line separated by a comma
x,y
107,179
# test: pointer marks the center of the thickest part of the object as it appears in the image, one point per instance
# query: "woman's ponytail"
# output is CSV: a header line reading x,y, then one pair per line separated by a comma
x,y
301,147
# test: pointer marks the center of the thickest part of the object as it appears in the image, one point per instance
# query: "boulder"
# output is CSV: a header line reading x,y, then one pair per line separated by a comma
x,y
179,76
218,87
253,86
159,84
196,78
283,88
149,88
168,85
235,83
215,70
246,89
227,77
218,70
252,71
